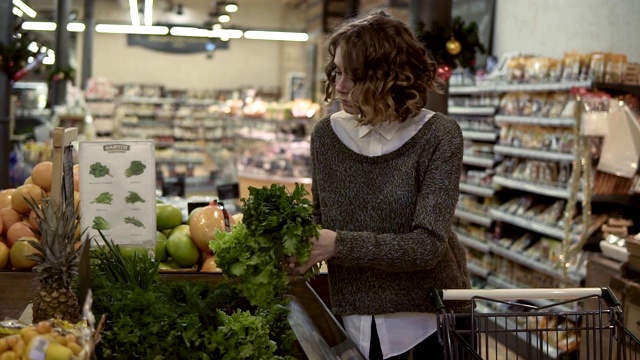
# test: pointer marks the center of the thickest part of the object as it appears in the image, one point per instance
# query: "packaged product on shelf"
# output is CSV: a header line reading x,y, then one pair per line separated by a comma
x,y
615,68
571,66
597,66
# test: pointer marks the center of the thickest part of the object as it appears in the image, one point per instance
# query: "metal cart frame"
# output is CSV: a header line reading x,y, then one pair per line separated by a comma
x,y
539,328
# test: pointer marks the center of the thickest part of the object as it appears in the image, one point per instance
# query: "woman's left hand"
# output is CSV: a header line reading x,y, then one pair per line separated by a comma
x,y
324,248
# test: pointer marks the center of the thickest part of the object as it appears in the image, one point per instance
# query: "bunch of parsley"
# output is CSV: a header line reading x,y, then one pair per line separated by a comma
x,y
276,225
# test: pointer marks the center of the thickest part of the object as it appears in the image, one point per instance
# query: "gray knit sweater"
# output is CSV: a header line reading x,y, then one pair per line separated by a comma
x,y
393,215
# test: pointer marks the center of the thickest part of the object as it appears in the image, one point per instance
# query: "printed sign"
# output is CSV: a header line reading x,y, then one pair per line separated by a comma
x,y
117,188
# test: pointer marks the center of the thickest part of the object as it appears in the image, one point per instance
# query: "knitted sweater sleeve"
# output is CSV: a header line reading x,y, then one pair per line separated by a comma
x,y
425,246
315,196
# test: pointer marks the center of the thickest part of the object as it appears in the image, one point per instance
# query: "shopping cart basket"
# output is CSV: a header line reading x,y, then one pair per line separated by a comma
x,y
527,324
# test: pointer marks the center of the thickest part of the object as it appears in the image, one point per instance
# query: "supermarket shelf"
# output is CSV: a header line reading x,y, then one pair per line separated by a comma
x,y
147,100
473,217
179,161
478,270
539,227
479,135
631,89
532,154
531,120
542,268
501,284
477,190
561,193
477,161
492,87
472,242
471,110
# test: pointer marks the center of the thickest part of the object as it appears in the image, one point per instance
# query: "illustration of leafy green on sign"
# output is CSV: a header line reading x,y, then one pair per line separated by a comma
x,y
99,223
136,168
133,198
98,170
104,198
133,221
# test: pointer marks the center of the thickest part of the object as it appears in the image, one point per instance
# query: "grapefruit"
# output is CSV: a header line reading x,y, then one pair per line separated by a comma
x,y
20,251
129,252
19,198
5,198
167,216
4,255
28,180
9,217
18,231
205,222
182,249
180,229
41,175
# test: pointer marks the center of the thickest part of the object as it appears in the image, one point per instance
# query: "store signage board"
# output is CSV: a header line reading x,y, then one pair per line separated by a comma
x,y
176,44
117,188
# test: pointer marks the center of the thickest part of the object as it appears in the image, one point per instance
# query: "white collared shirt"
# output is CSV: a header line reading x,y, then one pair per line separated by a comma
x,y
398,332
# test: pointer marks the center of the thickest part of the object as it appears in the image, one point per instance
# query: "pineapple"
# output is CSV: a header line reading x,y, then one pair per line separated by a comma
x,y
57,262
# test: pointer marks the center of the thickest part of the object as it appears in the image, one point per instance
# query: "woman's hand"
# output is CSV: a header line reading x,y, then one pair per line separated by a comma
x,y
324,248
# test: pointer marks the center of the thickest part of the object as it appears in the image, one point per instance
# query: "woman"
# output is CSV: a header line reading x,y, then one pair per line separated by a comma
x,y
385,187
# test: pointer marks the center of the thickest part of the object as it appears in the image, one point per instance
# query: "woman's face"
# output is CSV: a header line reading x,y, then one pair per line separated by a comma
x,y
344,84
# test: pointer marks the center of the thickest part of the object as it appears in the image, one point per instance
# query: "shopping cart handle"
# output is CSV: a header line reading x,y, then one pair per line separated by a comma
x,y
609,297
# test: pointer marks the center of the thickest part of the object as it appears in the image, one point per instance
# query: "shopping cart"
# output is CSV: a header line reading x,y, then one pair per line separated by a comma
x,y
526,324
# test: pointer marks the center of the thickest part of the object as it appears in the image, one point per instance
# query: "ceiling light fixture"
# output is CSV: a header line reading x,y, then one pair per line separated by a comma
x,y
231,7
51,26
275,35
148,12
33,47
130,29
39,25
197,32
17,12
224,18
133,11
227,33
216,26
76,27
25,8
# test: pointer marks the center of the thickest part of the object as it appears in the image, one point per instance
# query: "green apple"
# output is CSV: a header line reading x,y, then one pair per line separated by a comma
x,y
180,229
182,249
167,216
161,247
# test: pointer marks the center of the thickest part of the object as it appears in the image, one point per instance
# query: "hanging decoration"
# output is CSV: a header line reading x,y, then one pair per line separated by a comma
x,y
14,56
453,46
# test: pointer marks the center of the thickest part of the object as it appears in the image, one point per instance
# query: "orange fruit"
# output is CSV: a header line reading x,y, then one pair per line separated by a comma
x,y
41,175
4,255
18,231
5,198
18,199
20,251
209,265
9,217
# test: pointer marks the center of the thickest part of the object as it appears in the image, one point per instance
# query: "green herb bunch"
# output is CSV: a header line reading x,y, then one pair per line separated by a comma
x,y
276,225
136,168
99,170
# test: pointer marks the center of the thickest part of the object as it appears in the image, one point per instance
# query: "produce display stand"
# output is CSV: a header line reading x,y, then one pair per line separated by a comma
x,y
305,299
246,180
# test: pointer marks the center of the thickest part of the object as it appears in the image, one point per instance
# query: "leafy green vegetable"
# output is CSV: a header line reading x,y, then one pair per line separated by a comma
x,y
133,198
276,225
99,223
98,170
136,168
133,221
104,198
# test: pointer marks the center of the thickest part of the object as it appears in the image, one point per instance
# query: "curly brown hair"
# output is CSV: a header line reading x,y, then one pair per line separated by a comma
x,y
391,70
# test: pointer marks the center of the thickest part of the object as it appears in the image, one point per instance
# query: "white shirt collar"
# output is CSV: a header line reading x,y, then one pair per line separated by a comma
x,y
387,129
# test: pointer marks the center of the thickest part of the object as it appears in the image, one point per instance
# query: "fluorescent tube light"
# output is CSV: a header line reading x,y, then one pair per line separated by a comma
x,y
130,29
25,8
227,33
224,18
231,8
189,31
275,35
148,12
197,32
75,27
17,12
39,25
133,11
